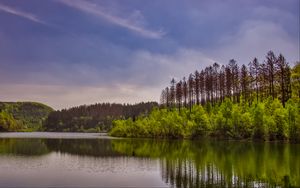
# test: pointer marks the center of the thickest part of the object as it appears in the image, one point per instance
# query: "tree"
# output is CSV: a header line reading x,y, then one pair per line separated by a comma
x,y
179,94
228,82
293,114
7,121
284,78
216,84
271,62
163,97
197,86
245,80
202,86
222,85
185,91
191,90
254,72
263,82
167,94
295,79
226,111
234,77
172,93
258,122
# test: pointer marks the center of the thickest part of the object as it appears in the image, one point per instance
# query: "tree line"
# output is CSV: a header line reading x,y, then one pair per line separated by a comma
x,y
258,101
94,118
248,83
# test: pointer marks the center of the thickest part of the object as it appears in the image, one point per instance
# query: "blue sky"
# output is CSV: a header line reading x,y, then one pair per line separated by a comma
x,y
71,52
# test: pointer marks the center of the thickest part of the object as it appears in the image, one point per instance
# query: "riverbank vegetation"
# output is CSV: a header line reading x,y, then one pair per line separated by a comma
x,y
258,101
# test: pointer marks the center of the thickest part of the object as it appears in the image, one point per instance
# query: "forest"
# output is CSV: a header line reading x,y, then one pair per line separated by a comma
x,y
260,100
94,118
22,116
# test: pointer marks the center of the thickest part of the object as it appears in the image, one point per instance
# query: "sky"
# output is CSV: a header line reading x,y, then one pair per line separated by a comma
x,y
66,53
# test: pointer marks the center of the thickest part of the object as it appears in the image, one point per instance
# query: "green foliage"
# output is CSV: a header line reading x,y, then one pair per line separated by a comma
x,y
259,131
295,77
165,124
267,120
22,116
94,118
199,122
293,116
7,122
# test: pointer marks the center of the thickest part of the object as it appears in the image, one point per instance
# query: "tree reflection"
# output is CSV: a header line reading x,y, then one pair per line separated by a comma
x,y
23,147
185,163
220,164
83,147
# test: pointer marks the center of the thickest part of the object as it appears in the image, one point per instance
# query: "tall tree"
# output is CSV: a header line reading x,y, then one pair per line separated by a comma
x,y
245,80
254,72
197,85
185,91
228,82
216,89
284,78
222,83
179,94
167,93
263,81
234,76
271,62
209,83
191,90
257,81
202,86
163,97
172,92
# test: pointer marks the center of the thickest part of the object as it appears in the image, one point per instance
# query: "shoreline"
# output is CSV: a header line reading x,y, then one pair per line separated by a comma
x,y
105,135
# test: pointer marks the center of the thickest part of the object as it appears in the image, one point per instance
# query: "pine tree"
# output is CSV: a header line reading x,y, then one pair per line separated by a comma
x,y
197,87
254,72
271,62
179,94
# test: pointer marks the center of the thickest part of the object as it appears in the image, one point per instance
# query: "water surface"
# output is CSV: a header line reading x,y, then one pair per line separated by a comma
x,y
92,160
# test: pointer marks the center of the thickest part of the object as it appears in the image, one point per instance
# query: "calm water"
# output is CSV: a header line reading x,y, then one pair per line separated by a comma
x,y
91,160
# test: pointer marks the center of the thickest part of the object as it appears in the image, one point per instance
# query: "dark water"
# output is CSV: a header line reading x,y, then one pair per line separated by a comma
x,y
89,160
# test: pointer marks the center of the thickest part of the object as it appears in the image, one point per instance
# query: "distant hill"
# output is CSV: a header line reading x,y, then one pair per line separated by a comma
x,y
23,116
94,118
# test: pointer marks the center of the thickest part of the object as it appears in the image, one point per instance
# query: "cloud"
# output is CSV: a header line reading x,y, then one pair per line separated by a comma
x,y
254,38
64,96
132,23
20,13
155,69
142,79
65,70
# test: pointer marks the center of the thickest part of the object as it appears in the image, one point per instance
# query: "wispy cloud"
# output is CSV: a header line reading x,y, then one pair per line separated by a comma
x,y
20,13
129,23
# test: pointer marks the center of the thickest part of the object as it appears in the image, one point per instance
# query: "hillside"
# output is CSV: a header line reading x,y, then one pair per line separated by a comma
x,y
22,116
94,118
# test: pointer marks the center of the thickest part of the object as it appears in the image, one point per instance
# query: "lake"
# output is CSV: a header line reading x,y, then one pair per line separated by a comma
x,y
95,160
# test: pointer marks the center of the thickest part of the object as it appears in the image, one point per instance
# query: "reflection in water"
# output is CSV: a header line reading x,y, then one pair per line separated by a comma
x,y
181,163
220,164
26,147
83,147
